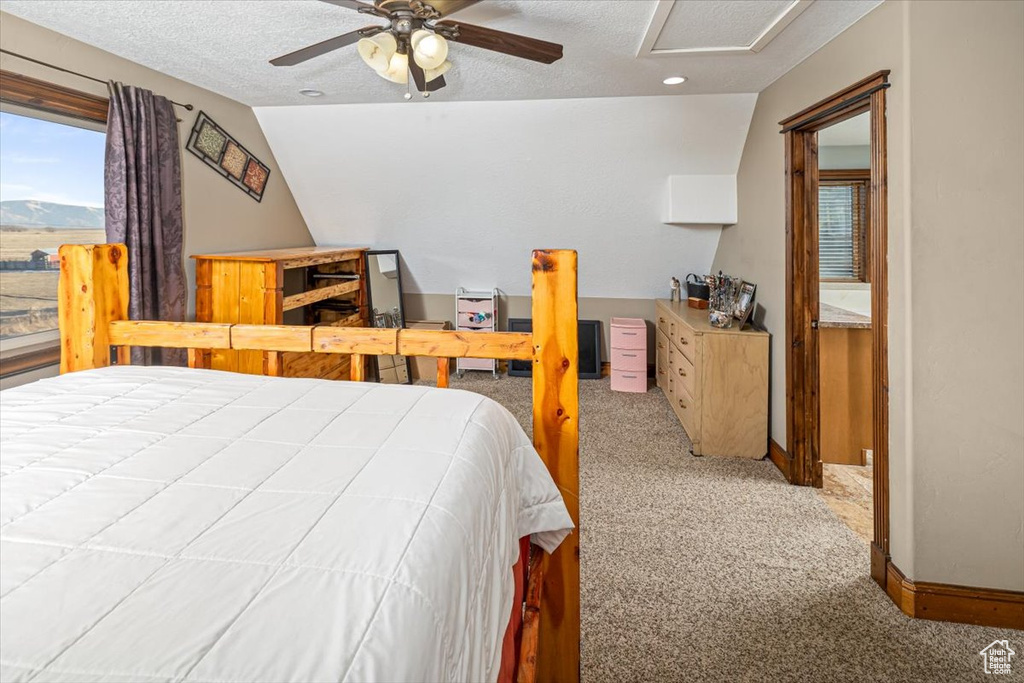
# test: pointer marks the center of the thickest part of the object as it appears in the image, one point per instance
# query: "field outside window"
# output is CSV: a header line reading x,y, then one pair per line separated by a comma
x,y
51,193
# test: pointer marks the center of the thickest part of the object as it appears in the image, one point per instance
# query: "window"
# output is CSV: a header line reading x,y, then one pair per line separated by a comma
x,y
843,226
51,193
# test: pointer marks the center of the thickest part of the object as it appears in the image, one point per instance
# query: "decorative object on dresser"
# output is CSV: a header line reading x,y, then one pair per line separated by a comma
x,y
715,379
589,334
255,287
384,300
745,302
629,354
725,290
697,288
477,312
226,156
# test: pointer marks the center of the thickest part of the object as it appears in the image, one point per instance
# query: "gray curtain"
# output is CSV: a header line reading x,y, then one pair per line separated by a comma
x,y
143,208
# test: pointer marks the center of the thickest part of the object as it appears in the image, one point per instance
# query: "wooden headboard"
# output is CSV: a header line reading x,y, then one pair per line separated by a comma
x,y
93,314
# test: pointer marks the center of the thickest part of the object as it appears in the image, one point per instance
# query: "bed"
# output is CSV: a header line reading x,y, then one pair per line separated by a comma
x,y
166,524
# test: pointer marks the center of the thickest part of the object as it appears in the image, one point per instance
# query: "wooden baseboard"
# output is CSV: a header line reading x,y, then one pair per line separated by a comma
x,y
947,602
781,458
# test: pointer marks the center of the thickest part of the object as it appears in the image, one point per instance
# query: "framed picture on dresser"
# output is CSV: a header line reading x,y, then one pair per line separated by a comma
x,y
745,302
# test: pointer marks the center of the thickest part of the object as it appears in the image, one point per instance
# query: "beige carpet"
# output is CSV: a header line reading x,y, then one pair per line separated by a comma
x,y
714,569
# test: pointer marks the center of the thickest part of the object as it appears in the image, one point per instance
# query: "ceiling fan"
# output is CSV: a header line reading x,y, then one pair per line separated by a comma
x,y
416,28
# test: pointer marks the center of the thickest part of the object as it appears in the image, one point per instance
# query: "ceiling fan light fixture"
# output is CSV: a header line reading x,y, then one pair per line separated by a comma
x,y
431,74
428,49
398,69
377,51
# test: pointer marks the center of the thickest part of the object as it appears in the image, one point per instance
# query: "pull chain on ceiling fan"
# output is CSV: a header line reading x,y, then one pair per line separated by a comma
x,y
415,41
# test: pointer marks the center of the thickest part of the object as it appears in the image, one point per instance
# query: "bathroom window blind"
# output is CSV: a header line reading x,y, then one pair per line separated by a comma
x,y
842,230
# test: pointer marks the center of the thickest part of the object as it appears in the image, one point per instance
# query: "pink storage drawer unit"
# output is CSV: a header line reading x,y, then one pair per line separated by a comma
x,y
629,355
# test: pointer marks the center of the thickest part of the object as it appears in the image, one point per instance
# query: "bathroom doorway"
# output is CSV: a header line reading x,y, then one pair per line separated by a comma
x,y
836,251
844,320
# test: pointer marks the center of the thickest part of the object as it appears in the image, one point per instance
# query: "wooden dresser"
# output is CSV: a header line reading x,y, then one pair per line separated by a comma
x,y
716,380
301,286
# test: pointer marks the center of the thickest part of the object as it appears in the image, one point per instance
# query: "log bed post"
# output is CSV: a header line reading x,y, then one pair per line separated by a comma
x,y
556,437
92,292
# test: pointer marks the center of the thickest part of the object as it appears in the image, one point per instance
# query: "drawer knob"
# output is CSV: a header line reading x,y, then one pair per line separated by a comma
x,y
681,404
681,373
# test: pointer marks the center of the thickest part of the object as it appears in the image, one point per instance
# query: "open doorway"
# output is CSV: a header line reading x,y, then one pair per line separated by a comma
x,y
836,255
844,320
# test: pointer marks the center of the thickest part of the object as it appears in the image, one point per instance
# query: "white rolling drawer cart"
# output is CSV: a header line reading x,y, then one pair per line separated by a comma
x,y
476,311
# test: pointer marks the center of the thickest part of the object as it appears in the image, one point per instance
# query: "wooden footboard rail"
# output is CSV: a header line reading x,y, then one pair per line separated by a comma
x,y
201,338
93,314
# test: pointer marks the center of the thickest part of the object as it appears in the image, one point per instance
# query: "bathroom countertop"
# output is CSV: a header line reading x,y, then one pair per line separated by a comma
x,y
833,316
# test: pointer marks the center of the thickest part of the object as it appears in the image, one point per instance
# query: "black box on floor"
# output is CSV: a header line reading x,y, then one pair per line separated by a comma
x,y
590,349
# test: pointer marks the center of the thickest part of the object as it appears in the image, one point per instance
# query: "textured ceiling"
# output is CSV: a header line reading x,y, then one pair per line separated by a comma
x,y
224,45
713,23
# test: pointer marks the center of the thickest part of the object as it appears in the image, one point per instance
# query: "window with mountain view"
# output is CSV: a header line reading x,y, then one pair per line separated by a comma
x,y
51,193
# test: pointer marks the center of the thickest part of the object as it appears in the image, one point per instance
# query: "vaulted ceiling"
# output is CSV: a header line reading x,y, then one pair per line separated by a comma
x,y
612,47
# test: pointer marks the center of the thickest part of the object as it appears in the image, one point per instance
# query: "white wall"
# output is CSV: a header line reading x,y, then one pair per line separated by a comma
x,y
956,356
968,342
467,189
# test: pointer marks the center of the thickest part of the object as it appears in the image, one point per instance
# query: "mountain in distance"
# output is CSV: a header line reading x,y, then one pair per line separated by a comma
x,y
28,213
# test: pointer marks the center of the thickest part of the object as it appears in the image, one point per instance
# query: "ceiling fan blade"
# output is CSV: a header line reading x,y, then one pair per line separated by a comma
x,y
446,7
350,4
507,43
321,48
436,84
418,77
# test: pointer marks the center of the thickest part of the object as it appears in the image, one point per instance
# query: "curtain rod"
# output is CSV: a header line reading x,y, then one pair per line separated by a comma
x,y
187,107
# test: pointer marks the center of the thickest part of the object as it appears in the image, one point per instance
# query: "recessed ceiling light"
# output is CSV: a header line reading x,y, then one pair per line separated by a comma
x,y
674,80
310,92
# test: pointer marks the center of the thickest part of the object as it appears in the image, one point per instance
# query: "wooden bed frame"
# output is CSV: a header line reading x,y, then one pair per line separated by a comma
x,y
93,316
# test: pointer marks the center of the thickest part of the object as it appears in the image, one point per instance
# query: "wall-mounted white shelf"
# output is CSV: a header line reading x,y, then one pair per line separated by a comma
x,y
700,200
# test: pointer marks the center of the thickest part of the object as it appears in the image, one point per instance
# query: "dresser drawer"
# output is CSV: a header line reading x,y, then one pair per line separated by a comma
x,y
685,373
629,359
661,342
629,338
477,320
665,324
686,410
661,356
687,341
475,306
629,380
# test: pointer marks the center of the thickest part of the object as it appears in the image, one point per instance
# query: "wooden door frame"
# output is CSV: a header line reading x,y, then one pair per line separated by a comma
x,y
803,427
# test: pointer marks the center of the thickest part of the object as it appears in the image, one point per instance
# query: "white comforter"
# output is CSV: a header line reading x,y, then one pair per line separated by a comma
x,y
162,524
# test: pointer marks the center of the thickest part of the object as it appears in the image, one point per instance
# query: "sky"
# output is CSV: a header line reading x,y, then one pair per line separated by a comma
x,y
50,162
